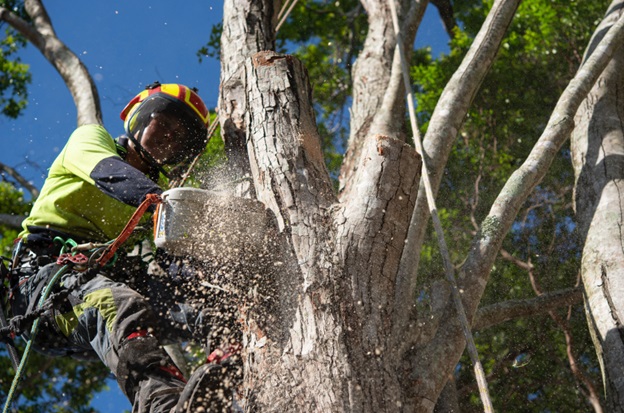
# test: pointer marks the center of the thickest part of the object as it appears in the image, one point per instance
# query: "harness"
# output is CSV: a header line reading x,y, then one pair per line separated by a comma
x,y
86,259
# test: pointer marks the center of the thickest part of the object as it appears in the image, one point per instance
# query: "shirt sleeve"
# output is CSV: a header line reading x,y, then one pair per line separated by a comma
x,y
121,181
91,154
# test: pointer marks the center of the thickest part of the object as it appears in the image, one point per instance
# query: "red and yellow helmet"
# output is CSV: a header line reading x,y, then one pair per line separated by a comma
x,y
177,100
183,94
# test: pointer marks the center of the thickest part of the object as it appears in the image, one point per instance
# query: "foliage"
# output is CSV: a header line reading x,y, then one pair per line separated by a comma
x,y
11,202
539,55
14,75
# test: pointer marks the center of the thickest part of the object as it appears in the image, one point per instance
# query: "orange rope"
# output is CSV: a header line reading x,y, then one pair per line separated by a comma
x,y
150,200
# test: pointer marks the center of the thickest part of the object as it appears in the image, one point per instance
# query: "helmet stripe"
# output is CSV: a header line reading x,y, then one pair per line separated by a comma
x,y
180,92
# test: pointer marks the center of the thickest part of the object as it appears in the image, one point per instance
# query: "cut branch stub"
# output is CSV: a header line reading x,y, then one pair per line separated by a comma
x,y
291,179
287,163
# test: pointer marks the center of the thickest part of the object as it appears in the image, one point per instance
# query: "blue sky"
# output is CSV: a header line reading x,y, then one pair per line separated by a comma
x,y
125,45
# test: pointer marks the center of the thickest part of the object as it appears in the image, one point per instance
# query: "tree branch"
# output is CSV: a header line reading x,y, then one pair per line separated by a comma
x,y
20,179
22,26
75,75
445,8
487,243
500,312
448,344
447,120
12,221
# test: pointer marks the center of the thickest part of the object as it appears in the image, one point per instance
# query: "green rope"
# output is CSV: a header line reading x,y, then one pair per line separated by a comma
x,y
33,333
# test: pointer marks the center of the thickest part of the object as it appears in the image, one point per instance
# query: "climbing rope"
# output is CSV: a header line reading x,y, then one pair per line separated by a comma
x,y
446,258
283,16
111,249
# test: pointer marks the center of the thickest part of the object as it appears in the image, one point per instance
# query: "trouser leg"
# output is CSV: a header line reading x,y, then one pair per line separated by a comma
x,y
119,325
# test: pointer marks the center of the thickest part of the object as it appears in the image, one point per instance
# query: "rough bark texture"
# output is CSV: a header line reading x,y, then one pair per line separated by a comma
x,y
303,368
378,90
598,158
370,238
75,75
249,29
336,352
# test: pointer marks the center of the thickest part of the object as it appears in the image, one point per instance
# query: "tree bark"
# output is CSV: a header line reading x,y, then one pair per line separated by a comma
x,y
249,28
598,159
303,368
336,353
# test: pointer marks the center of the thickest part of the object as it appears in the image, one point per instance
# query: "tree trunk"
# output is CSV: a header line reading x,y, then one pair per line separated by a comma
x,y
598,158
249,27
336,351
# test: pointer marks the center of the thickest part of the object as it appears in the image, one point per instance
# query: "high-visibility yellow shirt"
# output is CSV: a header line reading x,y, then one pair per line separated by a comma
x,y
90,191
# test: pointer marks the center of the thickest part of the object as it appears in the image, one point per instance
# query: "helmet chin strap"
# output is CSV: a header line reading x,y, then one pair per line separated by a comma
x,y
148,159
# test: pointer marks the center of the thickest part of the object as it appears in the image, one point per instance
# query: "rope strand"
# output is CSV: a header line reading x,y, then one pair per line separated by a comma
x,y
285,16
446,258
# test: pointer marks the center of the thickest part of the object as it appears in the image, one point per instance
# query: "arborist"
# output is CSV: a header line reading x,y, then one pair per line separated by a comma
x,y
93,187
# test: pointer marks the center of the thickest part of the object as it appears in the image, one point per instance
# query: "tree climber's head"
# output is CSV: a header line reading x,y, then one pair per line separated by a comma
x,y
166,125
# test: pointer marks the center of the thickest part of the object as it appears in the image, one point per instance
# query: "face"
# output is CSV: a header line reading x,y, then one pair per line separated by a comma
x,y
163,138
